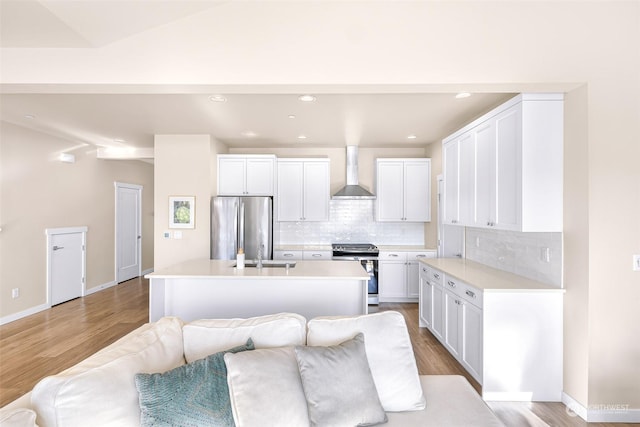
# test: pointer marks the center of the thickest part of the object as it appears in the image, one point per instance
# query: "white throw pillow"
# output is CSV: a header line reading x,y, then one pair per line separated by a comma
x,y
389,351
265,388
209,336
101,389
19,417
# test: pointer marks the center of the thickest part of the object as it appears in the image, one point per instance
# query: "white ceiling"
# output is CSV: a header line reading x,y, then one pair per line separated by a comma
x,y
131,119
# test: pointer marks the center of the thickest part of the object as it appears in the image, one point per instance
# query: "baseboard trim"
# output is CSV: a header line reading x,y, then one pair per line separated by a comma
x,y
148,271
24,313
100,288
601,413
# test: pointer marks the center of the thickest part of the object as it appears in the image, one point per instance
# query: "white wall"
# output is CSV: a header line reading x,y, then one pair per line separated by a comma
x,y
183,167
38,192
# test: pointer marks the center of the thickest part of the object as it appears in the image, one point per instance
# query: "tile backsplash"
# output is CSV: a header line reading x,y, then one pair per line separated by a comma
x,y
349,221
537,256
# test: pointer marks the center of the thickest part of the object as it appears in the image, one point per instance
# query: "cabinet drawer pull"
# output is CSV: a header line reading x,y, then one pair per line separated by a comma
x,y
450,283
436,275
393,255
424,269
471,294
289,255
316,255
420,256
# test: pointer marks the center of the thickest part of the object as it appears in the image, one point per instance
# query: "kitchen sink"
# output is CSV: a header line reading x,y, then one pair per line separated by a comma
x,y
268,263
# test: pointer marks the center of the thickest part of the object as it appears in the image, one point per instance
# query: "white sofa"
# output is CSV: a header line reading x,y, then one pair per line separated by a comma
x,y
102,389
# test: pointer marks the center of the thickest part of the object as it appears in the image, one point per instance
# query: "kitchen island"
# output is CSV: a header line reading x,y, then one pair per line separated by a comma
x,y
203,288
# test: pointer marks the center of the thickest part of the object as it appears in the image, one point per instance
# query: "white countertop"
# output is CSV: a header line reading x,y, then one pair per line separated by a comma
x,y
303,248
486,278
206,268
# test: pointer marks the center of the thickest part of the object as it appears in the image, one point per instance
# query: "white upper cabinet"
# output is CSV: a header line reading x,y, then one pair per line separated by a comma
x,y
504,170
303,190
246,175
403,190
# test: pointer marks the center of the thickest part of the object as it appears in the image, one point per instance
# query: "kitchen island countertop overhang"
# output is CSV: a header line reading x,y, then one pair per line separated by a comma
x,y
203,288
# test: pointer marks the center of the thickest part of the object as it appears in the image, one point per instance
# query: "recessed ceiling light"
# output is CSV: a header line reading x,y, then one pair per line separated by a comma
x,y
291,116
307,98
302,137
119,140
29,116
412,136
249,134
217,98
463,95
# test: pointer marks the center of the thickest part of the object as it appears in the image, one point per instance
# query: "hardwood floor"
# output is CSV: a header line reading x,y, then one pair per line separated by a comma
x,y
48,342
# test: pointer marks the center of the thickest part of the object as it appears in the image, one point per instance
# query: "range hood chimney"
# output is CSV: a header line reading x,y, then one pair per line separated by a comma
x,y
352,191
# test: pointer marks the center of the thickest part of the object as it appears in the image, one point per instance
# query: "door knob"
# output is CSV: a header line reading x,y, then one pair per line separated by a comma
x,y
55,248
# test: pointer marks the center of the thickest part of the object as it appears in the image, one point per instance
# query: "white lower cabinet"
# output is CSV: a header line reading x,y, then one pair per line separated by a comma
x,y
463,325
509,340
398,275
299,255
286,255
316,255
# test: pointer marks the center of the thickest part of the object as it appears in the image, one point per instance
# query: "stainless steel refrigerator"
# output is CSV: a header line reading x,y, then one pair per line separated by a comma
x,y
241,222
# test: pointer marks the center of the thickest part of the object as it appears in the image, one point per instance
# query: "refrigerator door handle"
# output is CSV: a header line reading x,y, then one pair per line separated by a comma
x,y
241,228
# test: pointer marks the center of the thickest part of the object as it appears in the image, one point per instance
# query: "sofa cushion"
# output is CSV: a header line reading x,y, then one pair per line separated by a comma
x,y
452,402
389,351
101,389
191,394
205,337
265,388
17,417
338,386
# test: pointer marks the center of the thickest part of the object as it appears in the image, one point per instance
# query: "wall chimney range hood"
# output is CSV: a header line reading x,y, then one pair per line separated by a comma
x,y
352,191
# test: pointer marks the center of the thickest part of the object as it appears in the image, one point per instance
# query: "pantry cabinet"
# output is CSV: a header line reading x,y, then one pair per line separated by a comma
x,y
246,175
504,170
403,190
303,190
399,279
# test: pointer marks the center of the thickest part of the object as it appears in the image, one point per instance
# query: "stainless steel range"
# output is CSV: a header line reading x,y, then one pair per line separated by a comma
x,y
367,254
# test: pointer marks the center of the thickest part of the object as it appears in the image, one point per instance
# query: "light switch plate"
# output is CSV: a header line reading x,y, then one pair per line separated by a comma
x,y
177,234
636,262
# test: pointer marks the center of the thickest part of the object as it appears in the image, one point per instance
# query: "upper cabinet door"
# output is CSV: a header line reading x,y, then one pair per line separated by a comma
x,y
508,166
485,175
260,173
389,190
231,176
316,191
450,153
417,190
290,191
467,179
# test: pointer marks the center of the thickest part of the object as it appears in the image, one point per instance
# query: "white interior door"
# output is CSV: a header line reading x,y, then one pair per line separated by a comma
x,y
66,264
128,231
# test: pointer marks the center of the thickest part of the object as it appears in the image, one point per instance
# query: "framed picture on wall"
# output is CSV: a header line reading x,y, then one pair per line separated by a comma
x,y
182,212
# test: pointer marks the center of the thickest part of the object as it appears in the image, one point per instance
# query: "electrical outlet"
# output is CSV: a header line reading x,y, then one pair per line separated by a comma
x,y
636,262
166,234
177,235
15,293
